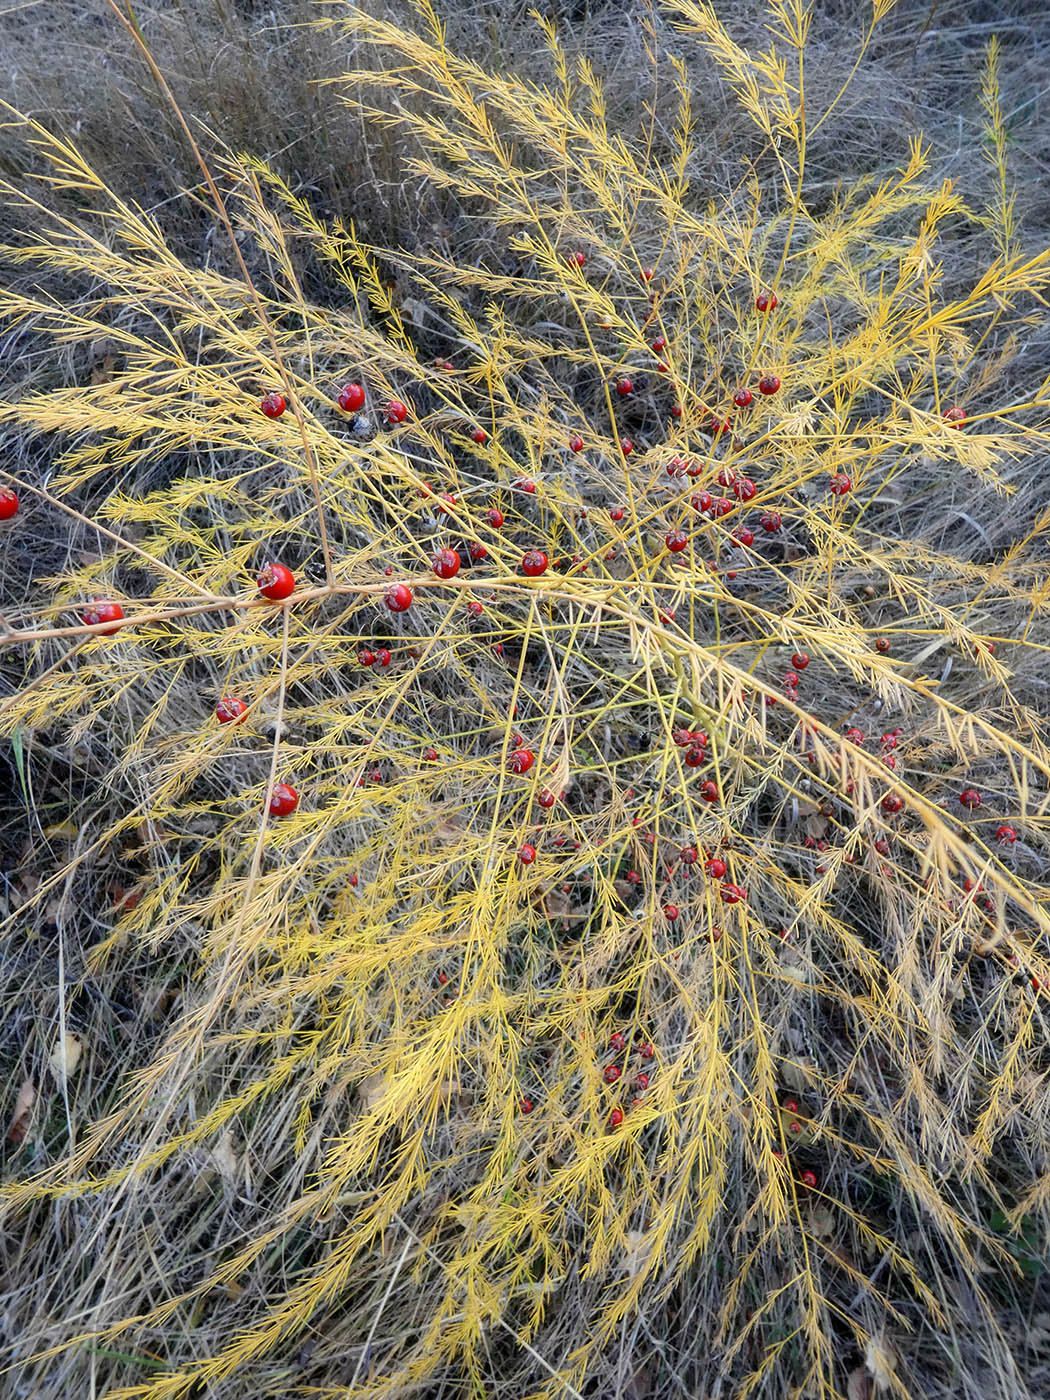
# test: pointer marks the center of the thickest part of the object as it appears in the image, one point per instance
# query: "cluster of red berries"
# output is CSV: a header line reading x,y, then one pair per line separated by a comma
x,y
640,1080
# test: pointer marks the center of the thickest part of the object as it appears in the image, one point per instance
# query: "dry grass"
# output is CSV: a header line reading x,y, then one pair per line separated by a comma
x,y
283,1152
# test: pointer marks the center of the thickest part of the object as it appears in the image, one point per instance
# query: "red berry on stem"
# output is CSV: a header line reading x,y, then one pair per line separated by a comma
x,y
767,301
626,446
676,541
273,404
768,384
495,517
800,660
446,563
709,791
525,1105
624,386
479,435
382,657
283,800
230,709
527,854
671,912
576,443
611,1073
742,398
547,798
8,503
396,411
771,521
100,611
366,657
615,1117
840,484
521,760
534,563
276,581
399,597
351,398
954,416
970,798
1006,836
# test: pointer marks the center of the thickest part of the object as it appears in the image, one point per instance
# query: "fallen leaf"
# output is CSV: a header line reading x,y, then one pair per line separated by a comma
x,y
23,1113
881,1357
371,1090
65,1058
225,1159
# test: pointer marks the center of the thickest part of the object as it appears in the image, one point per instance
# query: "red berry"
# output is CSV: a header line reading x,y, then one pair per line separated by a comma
x,y
525,1105
578,258
399,597
646,1050
716,868
743,536
534,563
229,709
615,1117
283,800
396,411
479,435
616,513
670,912
733,894
430,755
273,405
647,274
882,644
742,398
970,798
547,798
576,443
696,757
100,611
790,1105
676,410
624,386
840,484
892,802
351,398
954,416
617,1040
688,855
771,521
527,854
709,791
611,1073
721,506
659,344
808,1178
353,881
478,551
633,878
1006,836
382,657
275,581
744,488
626,446
676,541
641,1080
8,503
768,384
854,735
521,760
495,517
800,660
767,301
366,657
791,679
529,487
475,609
446,563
